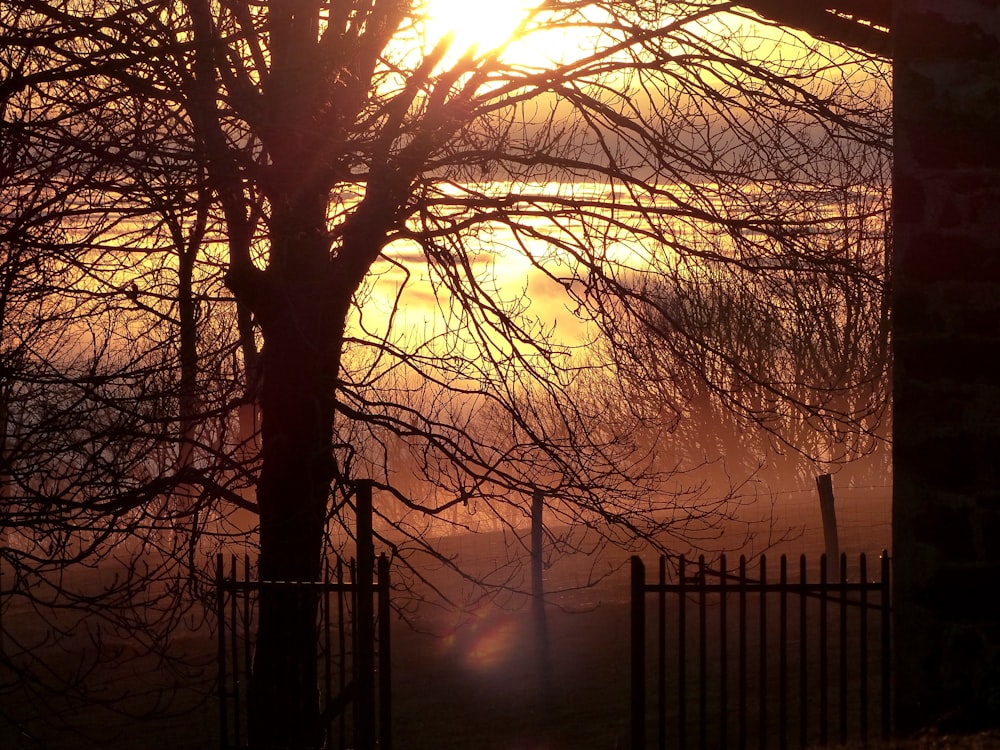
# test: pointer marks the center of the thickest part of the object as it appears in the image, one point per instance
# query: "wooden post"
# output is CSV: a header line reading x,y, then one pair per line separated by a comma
x,y
538,590
824,483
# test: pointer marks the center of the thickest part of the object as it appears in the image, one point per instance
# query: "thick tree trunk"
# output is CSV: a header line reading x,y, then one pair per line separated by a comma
x,y
302,323
292,496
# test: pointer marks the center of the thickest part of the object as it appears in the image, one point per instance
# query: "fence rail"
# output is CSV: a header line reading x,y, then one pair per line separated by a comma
x,y
726,660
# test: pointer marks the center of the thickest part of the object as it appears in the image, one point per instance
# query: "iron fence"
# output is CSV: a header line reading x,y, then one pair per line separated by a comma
x,y
723,660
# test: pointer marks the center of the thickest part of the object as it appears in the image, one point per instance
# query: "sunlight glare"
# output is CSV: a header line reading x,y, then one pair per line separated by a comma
x,y
485,643
485,26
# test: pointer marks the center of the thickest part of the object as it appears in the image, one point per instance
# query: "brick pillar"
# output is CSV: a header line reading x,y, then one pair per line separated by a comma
x,y
946,298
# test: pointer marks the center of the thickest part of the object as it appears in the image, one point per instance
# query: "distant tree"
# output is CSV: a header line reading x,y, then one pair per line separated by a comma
x,y
309,156
782,363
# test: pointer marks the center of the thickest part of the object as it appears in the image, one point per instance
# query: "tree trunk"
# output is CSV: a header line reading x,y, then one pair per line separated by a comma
x,y
302,322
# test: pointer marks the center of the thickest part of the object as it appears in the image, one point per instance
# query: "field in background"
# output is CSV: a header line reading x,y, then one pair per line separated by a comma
x,y
864,520
464,677
481,682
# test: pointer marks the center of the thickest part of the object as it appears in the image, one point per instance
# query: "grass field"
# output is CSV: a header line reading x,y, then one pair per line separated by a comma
x,y
463,678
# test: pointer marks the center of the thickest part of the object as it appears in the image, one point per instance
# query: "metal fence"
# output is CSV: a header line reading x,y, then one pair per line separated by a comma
x,y
723,660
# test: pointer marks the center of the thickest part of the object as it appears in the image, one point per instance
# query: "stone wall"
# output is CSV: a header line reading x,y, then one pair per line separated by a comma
x,y
946,298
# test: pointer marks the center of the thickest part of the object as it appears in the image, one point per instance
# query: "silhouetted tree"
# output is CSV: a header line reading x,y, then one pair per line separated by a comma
x,y
783,362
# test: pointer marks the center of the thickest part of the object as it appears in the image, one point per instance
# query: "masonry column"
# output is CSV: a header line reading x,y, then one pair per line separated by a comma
x,y
946,301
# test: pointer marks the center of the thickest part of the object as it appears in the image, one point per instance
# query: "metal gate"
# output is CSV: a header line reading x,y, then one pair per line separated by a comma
x,y
353,650
722,660
354,667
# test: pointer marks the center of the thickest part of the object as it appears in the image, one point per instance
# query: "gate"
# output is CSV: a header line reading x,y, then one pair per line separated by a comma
x,y
731,662
354,669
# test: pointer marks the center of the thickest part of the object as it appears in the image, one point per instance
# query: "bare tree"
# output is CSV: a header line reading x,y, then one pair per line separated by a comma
x,y
330,150
785,357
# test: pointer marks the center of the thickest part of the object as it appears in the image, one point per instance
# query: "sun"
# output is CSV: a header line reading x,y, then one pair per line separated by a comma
x,y
529,32
485,26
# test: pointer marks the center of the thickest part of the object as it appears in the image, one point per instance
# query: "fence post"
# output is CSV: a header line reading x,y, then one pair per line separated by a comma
x,y
843,649
863,626
638,654
803,655
723,654
824,671
661,662
762,663
887,718
538,592
365,658
384,656
234,652
681,654
824,483
220,604
742,667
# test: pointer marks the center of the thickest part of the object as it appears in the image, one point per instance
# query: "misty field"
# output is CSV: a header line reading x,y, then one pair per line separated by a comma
x,y
464,676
